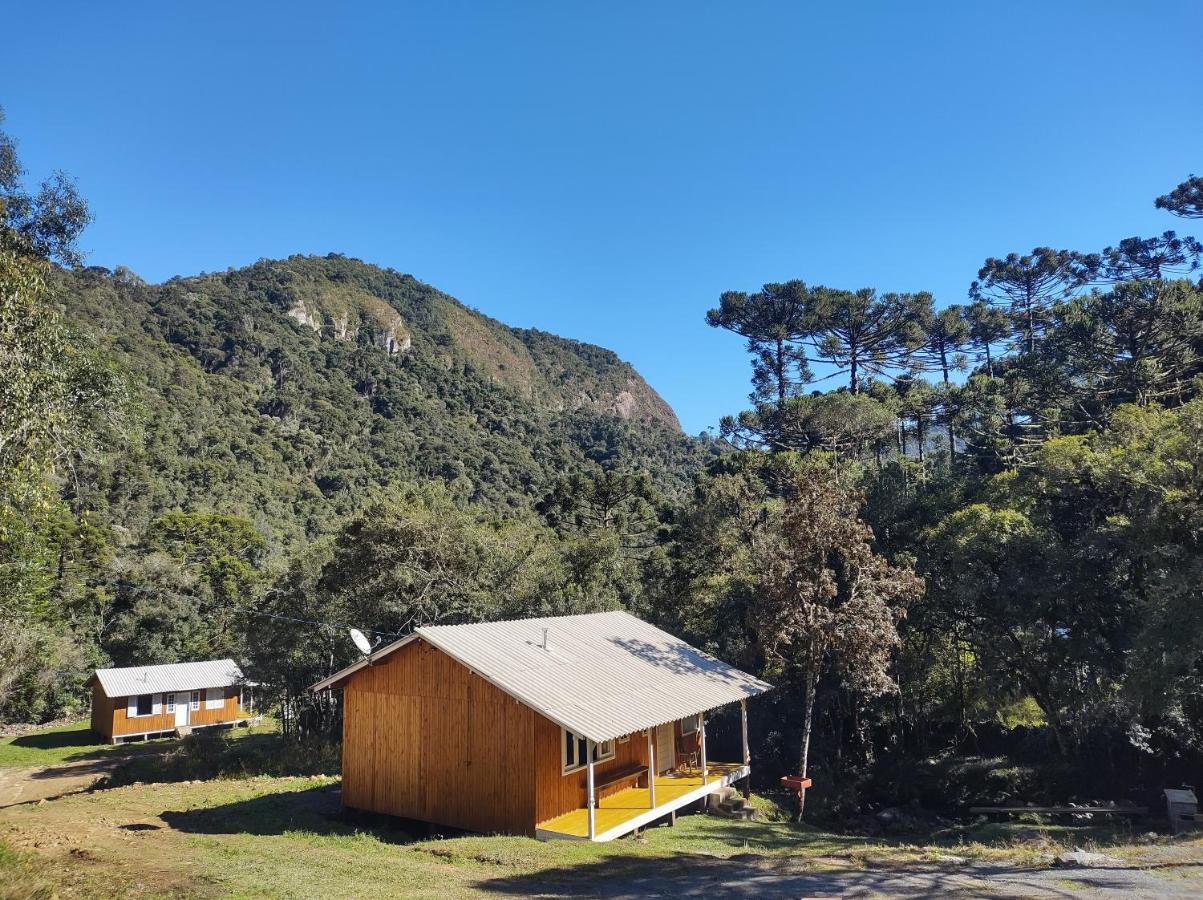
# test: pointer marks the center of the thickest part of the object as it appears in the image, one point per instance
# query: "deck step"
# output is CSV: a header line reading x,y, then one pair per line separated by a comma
x,y
735,811
730,804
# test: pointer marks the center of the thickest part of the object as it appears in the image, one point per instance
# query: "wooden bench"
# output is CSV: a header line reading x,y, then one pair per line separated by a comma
x,y
617,776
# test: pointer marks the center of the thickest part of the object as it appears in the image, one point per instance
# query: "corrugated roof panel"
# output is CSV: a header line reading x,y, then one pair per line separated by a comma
x,y
189,676
603,675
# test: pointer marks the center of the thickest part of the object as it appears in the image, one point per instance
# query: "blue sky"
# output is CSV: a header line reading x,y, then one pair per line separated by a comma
x,y
605,170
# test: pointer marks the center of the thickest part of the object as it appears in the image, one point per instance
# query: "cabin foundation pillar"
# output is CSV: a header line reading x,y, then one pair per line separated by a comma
x,y
651,768
591,794
702,730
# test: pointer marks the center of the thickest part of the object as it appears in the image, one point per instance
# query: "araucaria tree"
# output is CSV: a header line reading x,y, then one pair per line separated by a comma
x,y
774,320
1185,200
860,333
1028,285
830,604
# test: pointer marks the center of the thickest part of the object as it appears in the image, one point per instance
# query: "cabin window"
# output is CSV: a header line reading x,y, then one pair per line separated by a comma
x,y
194,701
171,703
144,705
214,698
576,755
689,725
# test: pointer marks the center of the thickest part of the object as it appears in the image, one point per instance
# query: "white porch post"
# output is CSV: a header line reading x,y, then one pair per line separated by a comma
x,y
702,729
589,785
743,728
651,767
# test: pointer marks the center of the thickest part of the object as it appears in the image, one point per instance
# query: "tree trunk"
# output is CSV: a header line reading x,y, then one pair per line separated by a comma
x,y
807,719
989,361
780,373
855,376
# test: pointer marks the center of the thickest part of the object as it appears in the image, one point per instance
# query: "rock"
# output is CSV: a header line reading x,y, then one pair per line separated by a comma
x,y
949,860
1082,858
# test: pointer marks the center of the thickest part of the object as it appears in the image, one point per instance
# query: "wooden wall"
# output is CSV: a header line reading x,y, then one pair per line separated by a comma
x,y
227,712
424,738
110,716
102,712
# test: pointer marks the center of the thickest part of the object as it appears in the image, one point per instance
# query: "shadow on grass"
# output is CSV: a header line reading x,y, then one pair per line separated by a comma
x,y
227,752
58,744
82,738
312,811
620,877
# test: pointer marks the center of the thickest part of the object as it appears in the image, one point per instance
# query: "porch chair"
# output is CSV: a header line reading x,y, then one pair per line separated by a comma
x,y
689,749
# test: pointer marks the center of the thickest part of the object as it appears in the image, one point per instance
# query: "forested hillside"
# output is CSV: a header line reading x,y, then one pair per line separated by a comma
x,y
286,392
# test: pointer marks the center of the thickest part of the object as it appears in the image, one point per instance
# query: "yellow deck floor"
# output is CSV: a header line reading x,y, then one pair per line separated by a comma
x,y
625,805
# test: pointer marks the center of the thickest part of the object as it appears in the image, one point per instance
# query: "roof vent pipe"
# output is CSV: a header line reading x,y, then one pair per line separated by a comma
x,y
544,638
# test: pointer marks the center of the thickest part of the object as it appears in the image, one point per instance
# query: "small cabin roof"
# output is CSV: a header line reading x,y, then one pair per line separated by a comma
x,y
186,676
600,675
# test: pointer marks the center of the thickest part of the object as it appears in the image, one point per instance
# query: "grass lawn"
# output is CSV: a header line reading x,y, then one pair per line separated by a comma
x,y
284,836
62,744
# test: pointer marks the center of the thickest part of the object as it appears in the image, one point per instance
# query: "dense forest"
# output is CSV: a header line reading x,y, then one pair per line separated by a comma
x,y
963,539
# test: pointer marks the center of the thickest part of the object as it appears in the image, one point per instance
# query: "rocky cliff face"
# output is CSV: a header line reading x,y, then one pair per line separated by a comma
x,y
345,315
342,300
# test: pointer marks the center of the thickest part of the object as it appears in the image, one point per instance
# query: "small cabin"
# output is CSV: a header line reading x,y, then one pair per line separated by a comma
x,y
582,727
148,701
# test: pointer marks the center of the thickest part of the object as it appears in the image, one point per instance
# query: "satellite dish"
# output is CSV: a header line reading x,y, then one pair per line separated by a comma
x,y
361,642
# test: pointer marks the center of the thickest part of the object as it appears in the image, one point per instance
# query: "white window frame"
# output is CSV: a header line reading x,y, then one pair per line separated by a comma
x,y
132,707
169,699
215,698
602,751
194,701
690,724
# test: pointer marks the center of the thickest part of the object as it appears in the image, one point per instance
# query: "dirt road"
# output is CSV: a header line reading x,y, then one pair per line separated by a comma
x,y
32,784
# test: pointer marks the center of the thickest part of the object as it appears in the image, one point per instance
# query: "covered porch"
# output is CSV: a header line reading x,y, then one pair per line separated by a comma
x,y
623,812
657,789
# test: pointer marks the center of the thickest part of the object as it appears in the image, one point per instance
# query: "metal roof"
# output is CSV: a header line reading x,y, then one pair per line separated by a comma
x,y
189,676
601,675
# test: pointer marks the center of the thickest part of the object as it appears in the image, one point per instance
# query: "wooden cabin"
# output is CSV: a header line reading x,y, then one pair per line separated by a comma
x,y
146,701
584,727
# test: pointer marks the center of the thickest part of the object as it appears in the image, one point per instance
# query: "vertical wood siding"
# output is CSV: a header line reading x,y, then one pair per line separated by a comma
x,y
102,712
555,793
123,723
425,738
227,712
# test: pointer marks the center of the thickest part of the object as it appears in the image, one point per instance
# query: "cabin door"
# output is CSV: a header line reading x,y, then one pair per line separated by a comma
x,y
666,748
181,709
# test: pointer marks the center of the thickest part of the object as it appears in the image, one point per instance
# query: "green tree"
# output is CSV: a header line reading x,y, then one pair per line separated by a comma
x,y
44,224
860,333
988,326
1137,343
830,604
1028,285
774,320
837,422
58,396
1185,200
1147,259
946,333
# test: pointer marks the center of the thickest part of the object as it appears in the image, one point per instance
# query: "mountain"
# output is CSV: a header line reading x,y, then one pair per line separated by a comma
x,y
289,391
